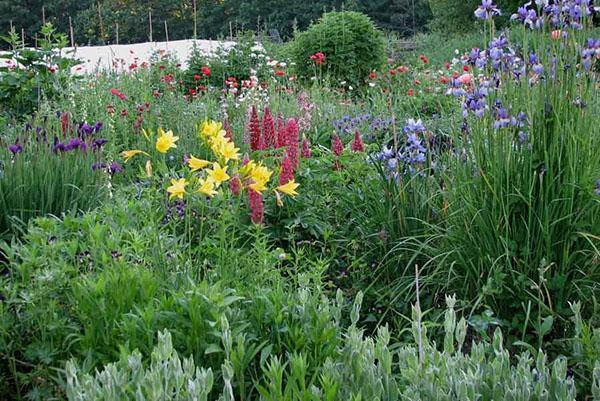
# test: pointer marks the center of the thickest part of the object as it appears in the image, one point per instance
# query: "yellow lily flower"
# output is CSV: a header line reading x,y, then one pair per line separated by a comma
x,y
177,188
229,152
261,173
207,187
165,141
218,174
247,168
128,154
210,129
258,186
289,188
197,164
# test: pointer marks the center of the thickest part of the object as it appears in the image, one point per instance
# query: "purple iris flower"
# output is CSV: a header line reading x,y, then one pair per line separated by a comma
x,y
15,148
413,126
86,129
98,126
114,168
487,10
76,143
98,143
597,189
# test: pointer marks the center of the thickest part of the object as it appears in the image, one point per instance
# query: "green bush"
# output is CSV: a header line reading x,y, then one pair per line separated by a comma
x,y
352,45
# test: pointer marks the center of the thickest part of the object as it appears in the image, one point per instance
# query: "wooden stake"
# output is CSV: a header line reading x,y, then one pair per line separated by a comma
x,y
23,38
11,25
71,32
36,40
150,23
117,31
43,15
195,21
230,31
167,31
102,35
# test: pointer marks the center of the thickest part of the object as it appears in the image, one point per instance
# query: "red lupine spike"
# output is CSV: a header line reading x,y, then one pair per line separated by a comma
x,y
336,145
281,131
254,128
287,170
292,141
228,130
268,125
235,185
305,152
255,202
357,143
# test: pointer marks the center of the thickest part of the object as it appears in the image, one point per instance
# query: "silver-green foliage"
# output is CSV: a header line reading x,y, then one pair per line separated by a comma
x,y
366,368
166,377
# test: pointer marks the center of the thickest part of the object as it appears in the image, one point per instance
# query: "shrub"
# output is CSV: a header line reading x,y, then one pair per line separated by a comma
x,y
350,42
27,75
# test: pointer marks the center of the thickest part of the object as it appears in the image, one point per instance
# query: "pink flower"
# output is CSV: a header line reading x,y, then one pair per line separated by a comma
x,y
465,79
305,151
257,210
357,143
268,126
336,145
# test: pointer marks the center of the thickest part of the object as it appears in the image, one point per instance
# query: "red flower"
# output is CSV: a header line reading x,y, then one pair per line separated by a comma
x,y
206,71
255,202
410,92
444,80
417,82
279,73
373,75
291,128
305,151
466,68
132,66
268,126
192,91
402,69
161,67
424,59
118,94
124,113
447,65
357,143
196,77
318,58
287,170
254,129
392,72
281,131
336,145
64,123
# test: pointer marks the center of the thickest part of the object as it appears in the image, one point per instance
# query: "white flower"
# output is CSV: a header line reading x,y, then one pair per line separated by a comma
x,y
350,87
372,84
456,51
282,64
343,83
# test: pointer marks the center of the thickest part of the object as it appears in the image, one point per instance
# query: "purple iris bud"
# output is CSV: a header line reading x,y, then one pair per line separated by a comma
x,y
98,126
58,114
16,148
522,137
98,166
38,130
114,168
28,127
597,189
